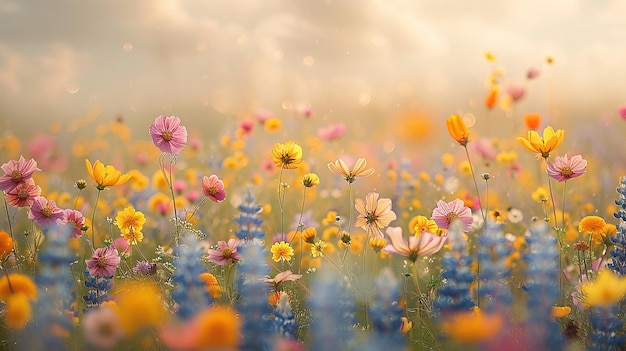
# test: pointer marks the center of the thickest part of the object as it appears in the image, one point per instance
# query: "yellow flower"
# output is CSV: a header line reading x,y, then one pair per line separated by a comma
x,y
219,329
542,146
359,170
418,224
139,306
287,155
6,243
211,284
308,235
607,289
330,218
560,311
472,327
16,283
272,124
457,129
129,219
138,180
541,194
281,251
406,325
592,225
317,250
377,244
310,180
17,311
105,176
447,159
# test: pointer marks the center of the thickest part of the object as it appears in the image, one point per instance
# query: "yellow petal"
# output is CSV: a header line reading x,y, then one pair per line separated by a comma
x,y
89,168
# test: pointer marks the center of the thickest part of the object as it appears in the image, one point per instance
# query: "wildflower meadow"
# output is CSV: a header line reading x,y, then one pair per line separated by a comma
x,y
494,228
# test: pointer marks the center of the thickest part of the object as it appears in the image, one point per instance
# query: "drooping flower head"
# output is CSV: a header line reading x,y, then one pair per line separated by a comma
x,y
76,219
286,276
544,145
225,252
168,135
457,129
359,170
564,168
104,262
45,212
374,214
17,172
105,176
213,188
287,155
447,212
23,194
416,246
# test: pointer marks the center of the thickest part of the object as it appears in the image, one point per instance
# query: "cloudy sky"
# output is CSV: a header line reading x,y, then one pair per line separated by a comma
x,y
215,58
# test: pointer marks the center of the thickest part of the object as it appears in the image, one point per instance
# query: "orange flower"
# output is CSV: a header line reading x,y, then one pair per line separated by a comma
x,y
492,98
532,120
457,129
6,244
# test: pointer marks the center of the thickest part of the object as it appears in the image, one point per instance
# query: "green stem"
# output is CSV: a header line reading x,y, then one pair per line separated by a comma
x,y
6,208
93,222
551,196
281,202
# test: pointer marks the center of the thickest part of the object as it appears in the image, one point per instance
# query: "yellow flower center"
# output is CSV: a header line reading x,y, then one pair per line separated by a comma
x,y
101,261
227,252
167,135
47,211
16,175
22,194
451,217
566,171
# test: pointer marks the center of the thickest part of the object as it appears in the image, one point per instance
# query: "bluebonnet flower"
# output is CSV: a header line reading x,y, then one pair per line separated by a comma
x,y
493,289
454,295
618,254
284,319
605,325
97,289
253,305
248,220
386,315
333,313
543,289
189,292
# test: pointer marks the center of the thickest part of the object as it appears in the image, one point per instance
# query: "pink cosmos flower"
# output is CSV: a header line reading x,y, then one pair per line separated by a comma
x,y
446,213
374,213
101,327
516,92
167,134
564,168
23,194
225,252
16,173
45,212
332,132
423,244
179,186
103,262
76,220
622,111
286,276
532,73
245,128
121,245
213,188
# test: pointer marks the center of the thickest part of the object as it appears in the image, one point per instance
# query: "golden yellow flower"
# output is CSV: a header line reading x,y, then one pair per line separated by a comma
x,y
17,312
359,170
308,235
377,244
130,220
310,180
541,194
272,124
219,329
211,284
6,243
457,129
16,283
542,146
607,289
418,224
592,225
139,305
472,327
138,180
281,251
406,325
105,176
317,249
287,155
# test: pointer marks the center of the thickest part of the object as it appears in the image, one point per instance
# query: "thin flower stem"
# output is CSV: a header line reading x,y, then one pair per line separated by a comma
x,y
551,196
299,229
6,208
93,222
6,274
77,197
475,184
563,208
138,250
196,208
350,207
281,202
419,307
171,184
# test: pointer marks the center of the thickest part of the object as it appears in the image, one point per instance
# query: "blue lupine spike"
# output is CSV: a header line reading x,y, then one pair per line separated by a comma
x,y
189,291
618,253
605,327
284,319
494,291
386,314
248,220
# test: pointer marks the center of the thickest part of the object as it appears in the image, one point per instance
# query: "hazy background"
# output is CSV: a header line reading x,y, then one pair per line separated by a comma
x,y
216,60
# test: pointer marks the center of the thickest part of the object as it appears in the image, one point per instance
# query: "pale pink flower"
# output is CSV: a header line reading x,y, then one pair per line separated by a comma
x,y
167,134
564,168
516,92
374,214
23,194
16,173
447,212
286,276
101,327
532,73
76,220
421,245
359,170
121,245
213,188
104,262
334,131
45,212
225,252
245,128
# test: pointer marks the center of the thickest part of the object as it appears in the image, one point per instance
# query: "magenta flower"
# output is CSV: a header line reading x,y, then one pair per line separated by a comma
x,y
45,212
122,246
104,262
168,135
76,220
423,244
564,169
213,188
447,212
16,173
225,252
23,194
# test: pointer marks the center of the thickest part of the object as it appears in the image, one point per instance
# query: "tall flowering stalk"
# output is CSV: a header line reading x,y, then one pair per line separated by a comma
x,y
170,137
309,180
386,315
618,253
285,156
543,289
495,293
189,292
248,220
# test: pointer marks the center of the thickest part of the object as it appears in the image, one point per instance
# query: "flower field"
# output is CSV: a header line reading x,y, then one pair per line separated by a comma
x,y
285,231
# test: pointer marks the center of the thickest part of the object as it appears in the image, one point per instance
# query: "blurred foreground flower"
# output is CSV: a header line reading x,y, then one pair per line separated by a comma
x,y
472,327
168,135
608,288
